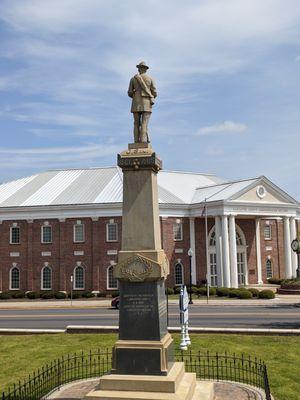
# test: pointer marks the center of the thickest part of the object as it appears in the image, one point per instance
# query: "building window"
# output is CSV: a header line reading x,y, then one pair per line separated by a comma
x,y
269,269
267,232
112,232
46,234
15,235
14,278
213,269
79,278
112,282
212,240
178,274
78,232
177,231
46,278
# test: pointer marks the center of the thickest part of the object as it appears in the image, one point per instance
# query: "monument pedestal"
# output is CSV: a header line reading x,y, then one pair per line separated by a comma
x,y
177,385
143,357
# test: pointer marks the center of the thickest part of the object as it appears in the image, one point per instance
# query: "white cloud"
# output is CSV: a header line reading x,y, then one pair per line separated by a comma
x,y
222,128
55,157
57,119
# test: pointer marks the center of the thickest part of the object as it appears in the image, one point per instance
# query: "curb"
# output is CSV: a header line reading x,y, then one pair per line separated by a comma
x,y
171,329
20,331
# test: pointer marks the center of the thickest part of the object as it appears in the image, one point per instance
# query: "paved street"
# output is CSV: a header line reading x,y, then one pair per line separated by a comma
x,y
268,316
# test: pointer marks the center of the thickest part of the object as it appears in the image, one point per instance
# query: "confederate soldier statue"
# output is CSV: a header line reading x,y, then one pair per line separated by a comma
x,y
143,92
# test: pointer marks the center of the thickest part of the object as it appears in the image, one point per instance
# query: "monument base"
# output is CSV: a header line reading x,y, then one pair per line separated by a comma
x,y
143,357
177,385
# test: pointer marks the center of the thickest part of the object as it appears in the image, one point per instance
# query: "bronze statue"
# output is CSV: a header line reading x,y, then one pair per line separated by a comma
x,y
142,90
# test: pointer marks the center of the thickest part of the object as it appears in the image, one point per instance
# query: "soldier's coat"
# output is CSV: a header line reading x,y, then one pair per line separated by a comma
x,y
140,99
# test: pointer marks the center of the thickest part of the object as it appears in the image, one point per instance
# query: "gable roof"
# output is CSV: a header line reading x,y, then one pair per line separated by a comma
x,y
105,186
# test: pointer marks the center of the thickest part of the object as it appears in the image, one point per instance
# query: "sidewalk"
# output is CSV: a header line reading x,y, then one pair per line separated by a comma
x,y
106,303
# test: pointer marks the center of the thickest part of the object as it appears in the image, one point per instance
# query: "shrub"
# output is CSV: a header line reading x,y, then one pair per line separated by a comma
x,y
101,294
75,295
170,290
254,292
266,294
212,291
293,281
5,296
245,294
275,281
47,295
60,295
234,293
202,291
176,289
87,295
223,291
114,294
32,295
18,295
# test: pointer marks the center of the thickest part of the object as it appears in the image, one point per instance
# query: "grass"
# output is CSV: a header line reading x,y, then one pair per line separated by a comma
x,y
20,355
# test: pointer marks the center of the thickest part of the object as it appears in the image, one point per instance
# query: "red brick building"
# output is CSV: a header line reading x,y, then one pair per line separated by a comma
x,y
62,224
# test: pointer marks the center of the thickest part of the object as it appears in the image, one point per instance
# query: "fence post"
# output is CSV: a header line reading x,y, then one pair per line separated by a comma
x,y
266,382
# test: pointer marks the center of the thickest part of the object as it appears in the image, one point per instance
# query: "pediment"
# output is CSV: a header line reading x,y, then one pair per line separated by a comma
x,y
263,191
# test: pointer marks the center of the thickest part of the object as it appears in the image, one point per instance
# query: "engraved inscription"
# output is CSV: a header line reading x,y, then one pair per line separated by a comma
x,y
138,303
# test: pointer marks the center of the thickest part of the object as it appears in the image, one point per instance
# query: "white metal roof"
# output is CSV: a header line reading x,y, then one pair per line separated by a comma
x,y
104,185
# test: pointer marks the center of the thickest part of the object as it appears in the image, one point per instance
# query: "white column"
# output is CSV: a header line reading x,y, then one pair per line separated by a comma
x,y
293,232
193,247
218,231
233,256
287,247
225,252
258,251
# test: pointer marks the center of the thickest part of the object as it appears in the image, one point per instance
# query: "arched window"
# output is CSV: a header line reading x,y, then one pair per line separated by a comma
x,y
212,240
46,278
79,277
178,271
112,282
269,269
14,278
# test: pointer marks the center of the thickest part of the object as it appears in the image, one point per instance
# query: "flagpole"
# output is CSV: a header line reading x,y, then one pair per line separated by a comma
x,y
206,250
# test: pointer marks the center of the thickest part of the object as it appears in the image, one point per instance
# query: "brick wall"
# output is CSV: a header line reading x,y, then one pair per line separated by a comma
x,y
95,259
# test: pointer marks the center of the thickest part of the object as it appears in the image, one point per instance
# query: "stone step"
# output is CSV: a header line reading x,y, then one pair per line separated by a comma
x,y
185,391
153,383
204,391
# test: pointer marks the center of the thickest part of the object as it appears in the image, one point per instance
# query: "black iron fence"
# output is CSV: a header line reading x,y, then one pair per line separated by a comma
x,y
217,367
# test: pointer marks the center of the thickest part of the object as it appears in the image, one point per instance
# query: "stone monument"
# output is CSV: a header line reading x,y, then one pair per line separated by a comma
x,y
143,356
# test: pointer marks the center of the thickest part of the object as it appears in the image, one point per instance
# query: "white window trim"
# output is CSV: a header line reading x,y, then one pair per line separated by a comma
x,y
112,223
270,227
74,278
181,231
182,274
10,235
83,233
272,270
10,271
42,236
42,288
107,280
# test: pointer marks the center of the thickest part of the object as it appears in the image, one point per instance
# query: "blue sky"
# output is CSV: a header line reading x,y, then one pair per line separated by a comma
x,y
227,73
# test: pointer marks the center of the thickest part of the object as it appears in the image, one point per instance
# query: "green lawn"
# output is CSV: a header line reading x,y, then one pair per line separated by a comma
x,y
20,355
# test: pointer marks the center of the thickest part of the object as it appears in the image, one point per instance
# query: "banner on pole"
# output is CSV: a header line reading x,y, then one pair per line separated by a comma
x,y
183,305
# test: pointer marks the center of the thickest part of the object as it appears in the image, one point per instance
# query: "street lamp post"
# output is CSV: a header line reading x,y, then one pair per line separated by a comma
x,y
190,254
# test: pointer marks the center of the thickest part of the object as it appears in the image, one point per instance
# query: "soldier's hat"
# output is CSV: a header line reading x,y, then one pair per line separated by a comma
x,y
142,64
